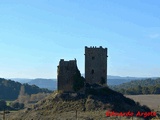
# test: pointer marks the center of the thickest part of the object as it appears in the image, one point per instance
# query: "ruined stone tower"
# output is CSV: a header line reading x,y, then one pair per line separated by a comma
x,y
69,77
65,73
96,65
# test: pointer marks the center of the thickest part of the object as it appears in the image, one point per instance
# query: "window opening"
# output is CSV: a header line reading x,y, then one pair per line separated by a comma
x,y
92,71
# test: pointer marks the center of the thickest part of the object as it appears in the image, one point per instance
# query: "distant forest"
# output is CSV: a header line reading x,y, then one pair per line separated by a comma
x,y
136,87
9,90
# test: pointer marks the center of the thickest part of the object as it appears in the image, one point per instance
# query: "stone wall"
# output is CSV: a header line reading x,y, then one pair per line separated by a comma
x,y
65,72
95,69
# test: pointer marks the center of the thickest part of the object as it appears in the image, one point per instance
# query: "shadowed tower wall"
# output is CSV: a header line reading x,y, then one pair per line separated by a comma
x,y
65,74
95,64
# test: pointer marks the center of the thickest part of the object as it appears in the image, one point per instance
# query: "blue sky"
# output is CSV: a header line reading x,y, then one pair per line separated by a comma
x,y
36,34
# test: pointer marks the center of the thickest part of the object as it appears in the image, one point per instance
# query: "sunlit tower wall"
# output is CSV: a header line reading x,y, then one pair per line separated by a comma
x,y
96,65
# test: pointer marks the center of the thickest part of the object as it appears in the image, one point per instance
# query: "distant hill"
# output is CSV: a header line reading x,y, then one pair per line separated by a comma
x,y
21,80
117,80
147,86
119,77
134,83
9,90
50,84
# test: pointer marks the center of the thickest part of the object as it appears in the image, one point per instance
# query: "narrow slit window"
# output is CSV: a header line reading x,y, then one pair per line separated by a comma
x,y
92,72
93,57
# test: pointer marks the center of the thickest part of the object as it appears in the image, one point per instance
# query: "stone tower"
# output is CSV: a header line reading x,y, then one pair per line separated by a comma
x,y
65,73
96,65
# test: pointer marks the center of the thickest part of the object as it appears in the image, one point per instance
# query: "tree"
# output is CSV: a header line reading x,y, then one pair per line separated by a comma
x,y
139,89
156,90
145,90
17,105
2,104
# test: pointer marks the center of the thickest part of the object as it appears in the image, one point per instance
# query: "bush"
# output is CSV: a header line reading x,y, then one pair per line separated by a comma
x,y
2,104
17,105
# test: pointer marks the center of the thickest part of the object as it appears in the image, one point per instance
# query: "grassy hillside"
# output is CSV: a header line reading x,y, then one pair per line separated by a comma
x,y
89,106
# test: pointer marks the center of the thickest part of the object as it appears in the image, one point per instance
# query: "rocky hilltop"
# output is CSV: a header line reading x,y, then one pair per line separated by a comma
x,y
89,106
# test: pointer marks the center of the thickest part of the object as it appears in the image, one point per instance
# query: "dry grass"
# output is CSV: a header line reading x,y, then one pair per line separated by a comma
x,y
90,115
152,101
54,107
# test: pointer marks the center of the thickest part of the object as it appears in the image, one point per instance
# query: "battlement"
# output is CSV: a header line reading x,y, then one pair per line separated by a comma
x,y
68,63
93,47
96,51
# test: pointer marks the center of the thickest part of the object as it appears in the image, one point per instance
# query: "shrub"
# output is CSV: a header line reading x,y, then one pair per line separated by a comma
x,y
2,104
17,105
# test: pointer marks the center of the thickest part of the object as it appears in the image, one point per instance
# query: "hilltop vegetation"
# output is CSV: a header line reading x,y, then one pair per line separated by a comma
x,y
9,90
62,105
147,86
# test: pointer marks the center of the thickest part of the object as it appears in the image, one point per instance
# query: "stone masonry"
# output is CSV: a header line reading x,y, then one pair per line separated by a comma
x,y
95,69
65,72
95,64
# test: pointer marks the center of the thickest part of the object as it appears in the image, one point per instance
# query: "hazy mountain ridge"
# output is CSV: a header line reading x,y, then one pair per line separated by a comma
x,y
21,80
117,80
51,84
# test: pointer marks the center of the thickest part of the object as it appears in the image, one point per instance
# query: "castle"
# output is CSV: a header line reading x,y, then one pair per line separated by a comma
x,y
95,69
